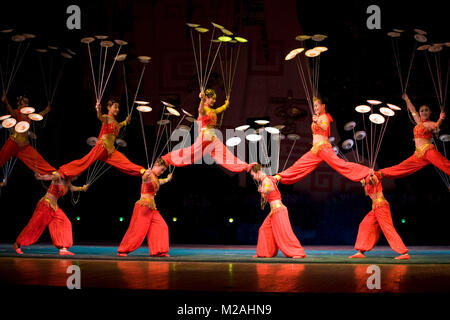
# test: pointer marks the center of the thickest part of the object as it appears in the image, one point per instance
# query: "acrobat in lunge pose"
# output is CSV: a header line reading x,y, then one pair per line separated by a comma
x,y
18,143
321,151
276,231
377,220
425,152
207,142
47,213
146,219
104,150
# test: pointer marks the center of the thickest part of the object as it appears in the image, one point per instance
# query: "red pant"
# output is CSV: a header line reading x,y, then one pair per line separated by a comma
x,y
413,164
377,220
201,146
146,222
309,162
276,233
98,152
28,155
58,224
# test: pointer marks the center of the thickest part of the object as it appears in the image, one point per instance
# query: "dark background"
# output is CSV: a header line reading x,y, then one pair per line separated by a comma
x,y
203,198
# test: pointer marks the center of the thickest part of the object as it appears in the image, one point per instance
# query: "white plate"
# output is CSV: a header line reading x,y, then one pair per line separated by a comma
x,y
35,116
376,118
359,135
311,53
234,141
121,143
444,137
107,44
91,141
121,42
242,128
186,113
293,136
272,130
173,111
253,137
331,139
393,106
27,110
363,108
141,102
374,102
163,122
22,127
420,38
394,34
87,40
144,59
144,108
9,123
347,144
6,116
121,57
349,125
262,122
387,112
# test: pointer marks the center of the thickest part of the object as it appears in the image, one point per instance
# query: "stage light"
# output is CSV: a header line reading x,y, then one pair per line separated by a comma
x,y
78,218
230,220
121,219
174,219
403,220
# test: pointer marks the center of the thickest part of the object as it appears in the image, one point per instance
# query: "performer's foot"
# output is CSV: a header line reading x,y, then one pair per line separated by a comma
x,y
404,256
122,254
160,255
299,257
65,252
256,256
357,255
17,248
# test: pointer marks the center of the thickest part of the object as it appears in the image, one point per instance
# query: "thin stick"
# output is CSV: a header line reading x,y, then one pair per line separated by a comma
x,y
92,70
110,71
195,57
144,139
139,85
126,88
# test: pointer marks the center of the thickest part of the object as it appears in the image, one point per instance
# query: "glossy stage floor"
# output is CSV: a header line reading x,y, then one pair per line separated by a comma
x,y
230,269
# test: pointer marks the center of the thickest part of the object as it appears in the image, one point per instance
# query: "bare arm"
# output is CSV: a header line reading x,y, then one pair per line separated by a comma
x,y
8,106
125,122
46,110
223,108
79,189
411,108
321,121
98,108
164,181
47,177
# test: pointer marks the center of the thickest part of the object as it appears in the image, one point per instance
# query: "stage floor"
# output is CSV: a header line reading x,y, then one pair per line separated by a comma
x,y
326,269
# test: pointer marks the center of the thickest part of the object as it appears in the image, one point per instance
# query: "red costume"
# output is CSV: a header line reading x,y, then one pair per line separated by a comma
x,y
147,221
104,151
19,145
206,143
322,151
276,231
425,155
377,220
48,213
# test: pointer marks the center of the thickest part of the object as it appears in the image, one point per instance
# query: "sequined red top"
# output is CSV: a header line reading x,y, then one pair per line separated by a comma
x,y
421,132
109,128
209,119
275,193
57,190
316,129
151,186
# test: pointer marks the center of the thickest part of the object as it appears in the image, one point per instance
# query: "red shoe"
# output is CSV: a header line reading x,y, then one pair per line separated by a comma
x,y
65,252
17,249
299,257
122,254
403,257
357,255
256,256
